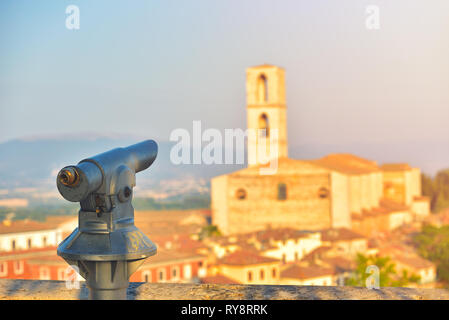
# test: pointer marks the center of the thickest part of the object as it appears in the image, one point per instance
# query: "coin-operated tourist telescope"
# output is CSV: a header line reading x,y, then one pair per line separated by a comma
x,y
106,247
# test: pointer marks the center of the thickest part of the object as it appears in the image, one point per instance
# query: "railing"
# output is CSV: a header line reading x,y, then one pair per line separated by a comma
x,y
57,290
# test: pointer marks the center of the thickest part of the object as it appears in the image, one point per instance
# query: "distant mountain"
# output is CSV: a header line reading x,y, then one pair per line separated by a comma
x,y
35,162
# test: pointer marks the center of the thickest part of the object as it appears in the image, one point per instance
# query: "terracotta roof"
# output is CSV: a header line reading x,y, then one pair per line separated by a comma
x,y
317,253
285,166
28,253
281,234
218,279
406,255
386,207
261,240
421,198
340,264
52,259
58,220
170,222
347,163
18,226
296,271
415,262
339,235
181,242
166,215
395,167
164,256
393,205
245,257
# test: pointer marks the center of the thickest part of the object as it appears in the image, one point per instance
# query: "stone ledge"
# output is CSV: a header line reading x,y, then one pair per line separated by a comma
x,y
56,290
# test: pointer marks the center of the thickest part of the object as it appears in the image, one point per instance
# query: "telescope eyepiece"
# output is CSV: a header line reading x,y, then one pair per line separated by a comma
x,y
68,176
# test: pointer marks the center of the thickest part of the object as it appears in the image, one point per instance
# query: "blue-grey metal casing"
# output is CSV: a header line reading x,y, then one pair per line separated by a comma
x,y
107,247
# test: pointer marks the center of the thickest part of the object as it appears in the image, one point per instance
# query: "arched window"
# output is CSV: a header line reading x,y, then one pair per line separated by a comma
x,y
262,274
323,193
146,276
262,88
240,194
250,276
30,243
282,191
44,273
264,124
175,273
161,277
3,269
18,267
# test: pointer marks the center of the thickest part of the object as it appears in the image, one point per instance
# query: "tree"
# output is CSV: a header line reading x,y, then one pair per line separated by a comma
x,y
209,231
428,189
387,272
433,244
437,190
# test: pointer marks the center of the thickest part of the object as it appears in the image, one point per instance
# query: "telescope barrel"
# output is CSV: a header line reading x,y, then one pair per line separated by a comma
x,y
77,182
143,154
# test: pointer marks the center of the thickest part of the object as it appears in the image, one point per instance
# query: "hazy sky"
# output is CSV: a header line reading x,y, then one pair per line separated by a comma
x,y
148,67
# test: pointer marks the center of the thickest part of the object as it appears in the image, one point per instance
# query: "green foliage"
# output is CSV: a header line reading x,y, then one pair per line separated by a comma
x,y
437,190
387,273
433,244
38,213
209,231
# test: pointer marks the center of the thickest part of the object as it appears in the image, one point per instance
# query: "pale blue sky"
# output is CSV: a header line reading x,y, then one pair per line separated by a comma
x,y
147,67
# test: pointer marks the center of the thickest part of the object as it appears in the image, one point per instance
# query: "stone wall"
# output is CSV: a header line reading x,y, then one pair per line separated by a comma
x,y
56,290
303,208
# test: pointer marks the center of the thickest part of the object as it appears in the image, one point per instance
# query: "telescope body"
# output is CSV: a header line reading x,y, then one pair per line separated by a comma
x,y
106,247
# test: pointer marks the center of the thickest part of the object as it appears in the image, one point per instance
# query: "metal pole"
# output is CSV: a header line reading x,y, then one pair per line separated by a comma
x,y
99,294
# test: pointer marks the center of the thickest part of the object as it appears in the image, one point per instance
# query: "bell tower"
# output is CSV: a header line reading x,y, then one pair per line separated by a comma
x,y
266,109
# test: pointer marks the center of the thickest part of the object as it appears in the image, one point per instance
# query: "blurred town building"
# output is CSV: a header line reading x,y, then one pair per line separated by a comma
x,y
303,225
28,248
336,191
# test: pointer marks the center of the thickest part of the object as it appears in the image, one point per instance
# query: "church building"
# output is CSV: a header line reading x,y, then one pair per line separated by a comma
x,y
336,191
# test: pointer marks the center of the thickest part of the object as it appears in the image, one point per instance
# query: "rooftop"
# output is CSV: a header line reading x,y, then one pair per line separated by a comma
x,y
339,235
386,206
297,271
26,225
16,226
395,167
281,234
170,256
244,257
286,166
347,163
28,253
